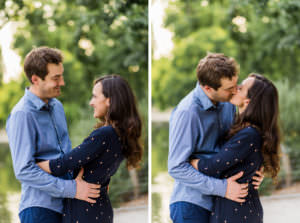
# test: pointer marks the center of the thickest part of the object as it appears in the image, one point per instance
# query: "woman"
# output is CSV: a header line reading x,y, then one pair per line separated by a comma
x,y
252,141
116,136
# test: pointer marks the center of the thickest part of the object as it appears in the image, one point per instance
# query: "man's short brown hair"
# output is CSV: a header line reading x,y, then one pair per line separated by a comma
x,y
215,66
36,61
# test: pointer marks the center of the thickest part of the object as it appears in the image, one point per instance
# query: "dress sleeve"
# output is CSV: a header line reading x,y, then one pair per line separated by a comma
x,y
233,151
89,149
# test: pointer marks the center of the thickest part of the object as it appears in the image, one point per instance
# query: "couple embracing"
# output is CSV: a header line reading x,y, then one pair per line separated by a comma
x,y
222,138
60,184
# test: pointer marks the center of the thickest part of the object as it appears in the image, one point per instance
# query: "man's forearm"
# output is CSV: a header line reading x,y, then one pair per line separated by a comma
x,y
35,177
186,174
22,136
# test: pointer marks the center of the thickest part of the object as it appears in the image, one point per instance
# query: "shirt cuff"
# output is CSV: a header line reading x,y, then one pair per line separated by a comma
x,y
221,188
70,189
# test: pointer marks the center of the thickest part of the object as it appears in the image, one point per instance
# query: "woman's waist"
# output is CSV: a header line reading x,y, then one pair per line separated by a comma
x,y
247,176
251,199
103,182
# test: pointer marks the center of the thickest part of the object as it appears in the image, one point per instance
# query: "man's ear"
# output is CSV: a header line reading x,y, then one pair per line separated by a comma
x,y
207,88
35,79
247,101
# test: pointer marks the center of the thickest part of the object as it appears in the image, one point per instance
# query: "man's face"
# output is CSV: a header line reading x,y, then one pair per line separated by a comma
x,y
226,91
50,86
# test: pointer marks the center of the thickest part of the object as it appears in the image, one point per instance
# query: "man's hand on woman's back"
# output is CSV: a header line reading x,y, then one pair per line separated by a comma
x,y
86,191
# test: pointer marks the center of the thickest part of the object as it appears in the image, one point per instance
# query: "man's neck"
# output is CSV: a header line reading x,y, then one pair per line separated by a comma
x,y
208,95
36,92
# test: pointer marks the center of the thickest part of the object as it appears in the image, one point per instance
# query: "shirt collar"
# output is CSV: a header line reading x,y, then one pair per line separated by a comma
x,y
204,99
37,102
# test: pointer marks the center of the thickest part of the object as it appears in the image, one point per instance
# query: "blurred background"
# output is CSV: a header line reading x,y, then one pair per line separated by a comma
x,y
264,37
96,38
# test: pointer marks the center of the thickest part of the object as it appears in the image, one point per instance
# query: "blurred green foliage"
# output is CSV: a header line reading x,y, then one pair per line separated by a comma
x,y
4,213
156,207
8,182
10,94
160,148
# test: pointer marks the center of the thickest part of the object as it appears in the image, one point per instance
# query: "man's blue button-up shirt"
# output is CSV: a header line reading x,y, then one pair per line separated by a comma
x,y
38,131
196,124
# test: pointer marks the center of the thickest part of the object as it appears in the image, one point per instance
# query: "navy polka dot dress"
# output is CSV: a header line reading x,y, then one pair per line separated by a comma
x,y
241,153
100,155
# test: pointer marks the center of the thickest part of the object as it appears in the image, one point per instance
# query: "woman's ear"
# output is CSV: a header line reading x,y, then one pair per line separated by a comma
x,y
246,101
107,102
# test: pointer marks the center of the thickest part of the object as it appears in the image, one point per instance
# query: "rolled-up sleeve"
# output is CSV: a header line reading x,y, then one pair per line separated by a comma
x,y
185,130
22,135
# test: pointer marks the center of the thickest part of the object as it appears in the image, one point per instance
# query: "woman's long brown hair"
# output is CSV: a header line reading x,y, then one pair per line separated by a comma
x,y
123,116
262,112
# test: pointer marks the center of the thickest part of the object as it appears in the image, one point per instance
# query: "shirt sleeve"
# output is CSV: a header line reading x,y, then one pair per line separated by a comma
x,y
22,135
92,147
184,133
233,151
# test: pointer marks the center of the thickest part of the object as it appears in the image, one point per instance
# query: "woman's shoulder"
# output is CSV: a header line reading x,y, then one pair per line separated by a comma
x,y
250,132
104,131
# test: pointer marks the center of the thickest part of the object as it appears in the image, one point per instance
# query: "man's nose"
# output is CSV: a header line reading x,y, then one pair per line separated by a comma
x,y
62,82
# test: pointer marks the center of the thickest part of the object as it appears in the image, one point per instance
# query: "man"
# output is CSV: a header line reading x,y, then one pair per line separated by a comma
x,y
37,130
196,125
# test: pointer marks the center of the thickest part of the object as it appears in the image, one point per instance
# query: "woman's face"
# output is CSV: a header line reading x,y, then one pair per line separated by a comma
x,y
240,99
99,102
